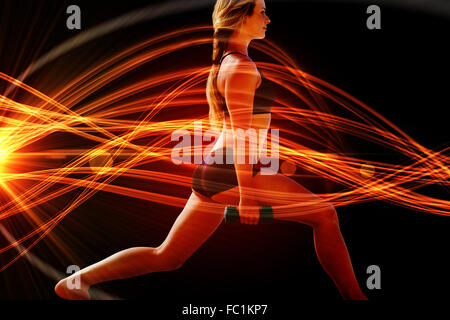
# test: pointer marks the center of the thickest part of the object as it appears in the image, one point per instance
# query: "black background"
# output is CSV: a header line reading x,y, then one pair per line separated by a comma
x,y
400,71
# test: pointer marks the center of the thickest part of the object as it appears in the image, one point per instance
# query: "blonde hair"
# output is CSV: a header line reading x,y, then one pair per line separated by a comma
x,y
228,16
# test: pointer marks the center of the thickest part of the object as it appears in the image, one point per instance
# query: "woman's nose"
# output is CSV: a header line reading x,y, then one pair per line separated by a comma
x,y
267,20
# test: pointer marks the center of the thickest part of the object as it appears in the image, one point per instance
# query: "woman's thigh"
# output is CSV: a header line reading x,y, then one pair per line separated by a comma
x,y
229,197
294,201
194,225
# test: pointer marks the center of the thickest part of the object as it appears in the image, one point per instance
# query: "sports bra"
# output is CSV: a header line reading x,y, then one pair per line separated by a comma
x,y
264,94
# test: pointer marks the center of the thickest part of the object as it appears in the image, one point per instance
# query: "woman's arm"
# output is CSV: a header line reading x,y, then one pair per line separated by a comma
x,y
240,86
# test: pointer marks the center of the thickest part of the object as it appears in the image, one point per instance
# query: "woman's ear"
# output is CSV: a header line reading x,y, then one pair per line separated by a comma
x,y
245,21
243,25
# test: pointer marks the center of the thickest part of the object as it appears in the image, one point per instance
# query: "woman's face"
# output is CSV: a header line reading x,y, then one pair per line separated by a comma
x,y
255,25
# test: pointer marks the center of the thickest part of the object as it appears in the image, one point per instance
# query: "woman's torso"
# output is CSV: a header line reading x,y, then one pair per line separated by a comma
x,y
259,120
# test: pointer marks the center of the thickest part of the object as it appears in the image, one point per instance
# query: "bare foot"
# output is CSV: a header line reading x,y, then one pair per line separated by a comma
x,y
63,290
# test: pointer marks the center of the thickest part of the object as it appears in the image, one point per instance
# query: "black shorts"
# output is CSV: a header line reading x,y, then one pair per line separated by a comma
x,y
210,179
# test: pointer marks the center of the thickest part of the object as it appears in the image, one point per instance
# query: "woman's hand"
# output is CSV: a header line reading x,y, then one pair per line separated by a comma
x,y
248,211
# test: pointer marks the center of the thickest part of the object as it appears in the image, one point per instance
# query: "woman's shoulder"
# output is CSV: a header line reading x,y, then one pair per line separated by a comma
x,y
239,66
238,60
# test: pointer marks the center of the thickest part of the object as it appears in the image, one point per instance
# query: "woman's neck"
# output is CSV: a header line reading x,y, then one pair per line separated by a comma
x,y
238,43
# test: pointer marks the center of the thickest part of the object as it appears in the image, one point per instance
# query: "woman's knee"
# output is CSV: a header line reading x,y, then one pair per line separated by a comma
x,y
328,215
167,260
